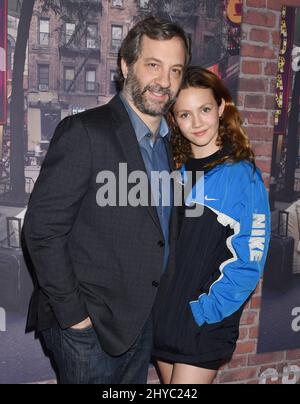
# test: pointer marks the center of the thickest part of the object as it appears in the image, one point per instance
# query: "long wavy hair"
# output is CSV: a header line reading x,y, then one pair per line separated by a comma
x,y
231,133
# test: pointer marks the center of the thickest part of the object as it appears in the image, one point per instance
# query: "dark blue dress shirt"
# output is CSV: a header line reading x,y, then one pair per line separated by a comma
x,y
155,158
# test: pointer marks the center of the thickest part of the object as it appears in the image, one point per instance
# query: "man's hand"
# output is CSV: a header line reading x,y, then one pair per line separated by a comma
x,y
83,325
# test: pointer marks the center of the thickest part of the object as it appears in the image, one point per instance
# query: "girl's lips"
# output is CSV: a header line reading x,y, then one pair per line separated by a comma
x,y
202,133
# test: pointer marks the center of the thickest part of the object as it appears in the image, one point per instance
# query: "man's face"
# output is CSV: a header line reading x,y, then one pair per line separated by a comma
x,y
154,80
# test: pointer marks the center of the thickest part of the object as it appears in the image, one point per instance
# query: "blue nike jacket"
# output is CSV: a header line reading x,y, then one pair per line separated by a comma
x,y
237,194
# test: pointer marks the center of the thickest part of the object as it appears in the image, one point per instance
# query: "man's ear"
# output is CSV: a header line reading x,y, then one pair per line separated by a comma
x,y
124,68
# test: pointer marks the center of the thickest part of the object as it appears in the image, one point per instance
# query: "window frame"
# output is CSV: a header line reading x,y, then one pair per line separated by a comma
x,y
116,48
47,19
40,82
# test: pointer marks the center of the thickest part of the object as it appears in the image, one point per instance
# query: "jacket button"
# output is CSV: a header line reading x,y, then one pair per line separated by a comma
x,y
155,284
161,243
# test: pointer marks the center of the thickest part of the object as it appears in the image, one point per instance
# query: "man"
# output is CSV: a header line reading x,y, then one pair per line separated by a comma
x,y
99,268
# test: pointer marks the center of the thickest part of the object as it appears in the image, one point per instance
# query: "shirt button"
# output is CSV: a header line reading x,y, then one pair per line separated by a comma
x,y
161,243
155,284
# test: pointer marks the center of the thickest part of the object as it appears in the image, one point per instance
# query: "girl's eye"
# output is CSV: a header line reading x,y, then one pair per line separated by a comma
x,y
153,65
184,116
206,110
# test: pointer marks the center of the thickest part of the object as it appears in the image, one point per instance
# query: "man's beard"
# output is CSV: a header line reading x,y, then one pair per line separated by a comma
x,y
139,97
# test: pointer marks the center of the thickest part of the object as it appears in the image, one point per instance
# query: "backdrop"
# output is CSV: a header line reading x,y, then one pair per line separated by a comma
x,y
280,313
62,59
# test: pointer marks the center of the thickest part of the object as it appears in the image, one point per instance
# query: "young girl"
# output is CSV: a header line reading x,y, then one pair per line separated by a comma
x,y
220,254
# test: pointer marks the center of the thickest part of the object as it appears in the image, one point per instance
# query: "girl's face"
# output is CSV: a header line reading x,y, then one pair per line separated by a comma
x,y
198,117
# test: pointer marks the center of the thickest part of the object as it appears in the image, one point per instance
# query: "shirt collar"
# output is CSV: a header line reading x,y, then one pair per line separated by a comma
x,y
140,128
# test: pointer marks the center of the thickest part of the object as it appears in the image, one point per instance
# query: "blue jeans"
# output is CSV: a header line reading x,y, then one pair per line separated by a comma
x,y
79,358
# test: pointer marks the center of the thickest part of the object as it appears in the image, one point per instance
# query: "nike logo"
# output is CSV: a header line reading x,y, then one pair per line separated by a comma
x,y
258,238
210,199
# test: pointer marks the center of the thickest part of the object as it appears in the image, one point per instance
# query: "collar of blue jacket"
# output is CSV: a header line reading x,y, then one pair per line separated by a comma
x,y
140,128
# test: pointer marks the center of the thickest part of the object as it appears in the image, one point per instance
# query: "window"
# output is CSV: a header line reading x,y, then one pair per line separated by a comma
x,y
92,36
50,118
44,38
116,37
70,29
69,76
118,3
90,80
43,77
144,4
113,82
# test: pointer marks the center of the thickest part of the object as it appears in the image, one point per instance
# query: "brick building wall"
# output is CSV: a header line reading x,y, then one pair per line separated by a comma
x,y
260,50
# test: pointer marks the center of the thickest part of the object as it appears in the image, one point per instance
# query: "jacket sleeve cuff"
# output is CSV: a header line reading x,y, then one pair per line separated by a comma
x,y
197,312
70,311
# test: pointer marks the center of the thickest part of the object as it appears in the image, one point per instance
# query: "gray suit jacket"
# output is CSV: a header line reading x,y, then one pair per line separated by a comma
x,y
105,263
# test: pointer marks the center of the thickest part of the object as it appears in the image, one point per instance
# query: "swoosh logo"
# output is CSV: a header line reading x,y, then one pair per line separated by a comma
x,y
210,199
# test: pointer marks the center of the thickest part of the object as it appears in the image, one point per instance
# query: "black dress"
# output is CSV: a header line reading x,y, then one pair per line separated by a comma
x,y
200,251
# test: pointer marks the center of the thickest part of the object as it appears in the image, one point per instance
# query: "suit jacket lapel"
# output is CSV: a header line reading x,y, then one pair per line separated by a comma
x,y
127,138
